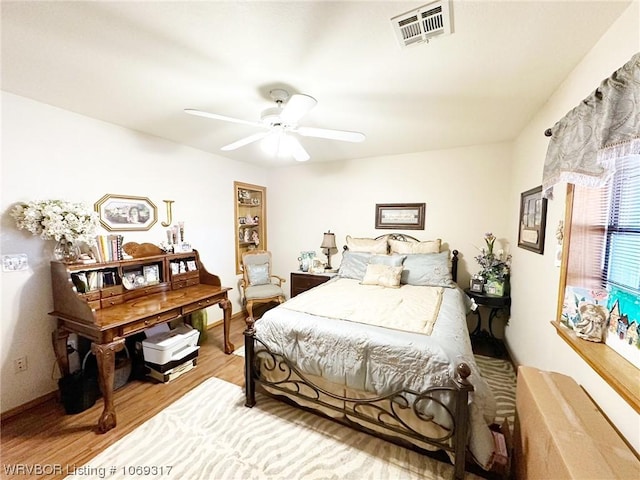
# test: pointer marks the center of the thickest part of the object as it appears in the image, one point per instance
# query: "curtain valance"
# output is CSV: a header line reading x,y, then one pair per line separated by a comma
x,y
604,126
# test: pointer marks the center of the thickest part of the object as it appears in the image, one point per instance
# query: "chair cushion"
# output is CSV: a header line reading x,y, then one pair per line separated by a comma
x,y
263,291
258,274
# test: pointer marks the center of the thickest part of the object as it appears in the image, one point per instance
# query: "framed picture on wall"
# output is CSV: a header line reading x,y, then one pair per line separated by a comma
x,y
533,220
126,213
403,216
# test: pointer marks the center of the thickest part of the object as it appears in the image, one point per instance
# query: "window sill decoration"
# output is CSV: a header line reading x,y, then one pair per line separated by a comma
x,y
495,268
67,223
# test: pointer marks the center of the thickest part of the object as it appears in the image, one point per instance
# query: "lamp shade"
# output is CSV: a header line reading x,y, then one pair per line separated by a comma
x,y
329,240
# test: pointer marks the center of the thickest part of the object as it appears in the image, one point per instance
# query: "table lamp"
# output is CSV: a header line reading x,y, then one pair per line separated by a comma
x,y
328,243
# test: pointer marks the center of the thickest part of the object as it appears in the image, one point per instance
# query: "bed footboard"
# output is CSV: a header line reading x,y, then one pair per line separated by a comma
x,y
386,412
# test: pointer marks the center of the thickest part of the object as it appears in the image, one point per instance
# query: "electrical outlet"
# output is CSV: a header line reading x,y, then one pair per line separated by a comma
x,y
20,364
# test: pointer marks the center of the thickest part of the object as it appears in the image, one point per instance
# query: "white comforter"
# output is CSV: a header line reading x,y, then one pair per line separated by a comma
x,y
382,360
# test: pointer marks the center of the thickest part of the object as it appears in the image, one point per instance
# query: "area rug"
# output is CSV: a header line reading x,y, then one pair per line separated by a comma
x,y
501,378
210,434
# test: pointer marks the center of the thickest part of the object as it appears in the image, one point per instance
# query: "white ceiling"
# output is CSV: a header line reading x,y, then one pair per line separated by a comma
x,y
139,64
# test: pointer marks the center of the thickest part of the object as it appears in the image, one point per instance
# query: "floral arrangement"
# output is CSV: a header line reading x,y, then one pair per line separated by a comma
x,y
57,219
494,266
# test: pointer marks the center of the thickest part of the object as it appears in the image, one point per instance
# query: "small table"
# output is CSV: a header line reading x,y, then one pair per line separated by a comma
x,y
303,281
496,306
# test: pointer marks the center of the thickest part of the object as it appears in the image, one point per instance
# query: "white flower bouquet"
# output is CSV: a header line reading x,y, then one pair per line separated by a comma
x,y
57,219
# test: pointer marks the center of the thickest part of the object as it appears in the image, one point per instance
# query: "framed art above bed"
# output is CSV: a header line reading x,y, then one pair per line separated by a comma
x,y
401,216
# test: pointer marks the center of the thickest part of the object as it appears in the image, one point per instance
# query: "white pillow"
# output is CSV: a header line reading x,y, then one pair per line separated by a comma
x,y
370,245
383,275
430,246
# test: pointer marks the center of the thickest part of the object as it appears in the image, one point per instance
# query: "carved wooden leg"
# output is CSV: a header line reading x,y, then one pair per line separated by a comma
x,y
249,353
106,358
225,305
59,338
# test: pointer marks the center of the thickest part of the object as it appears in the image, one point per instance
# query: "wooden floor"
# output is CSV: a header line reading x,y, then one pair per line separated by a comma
x,y
45,436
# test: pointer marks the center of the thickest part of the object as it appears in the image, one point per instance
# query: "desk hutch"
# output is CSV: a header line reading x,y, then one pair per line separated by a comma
x,y
107,302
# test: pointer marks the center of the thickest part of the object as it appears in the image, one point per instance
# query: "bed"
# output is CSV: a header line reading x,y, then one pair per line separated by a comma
x,y
382,347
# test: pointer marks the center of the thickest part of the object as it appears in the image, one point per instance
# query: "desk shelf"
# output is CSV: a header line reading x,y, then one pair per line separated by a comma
x,y
138,293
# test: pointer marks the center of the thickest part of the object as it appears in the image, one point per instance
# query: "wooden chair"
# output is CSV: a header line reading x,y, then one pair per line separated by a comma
x,y
258,285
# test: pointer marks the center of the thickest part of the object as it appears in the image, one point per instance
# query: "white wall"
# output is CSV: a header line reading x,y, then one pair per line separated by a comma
x,y
463,188
49,153
534,280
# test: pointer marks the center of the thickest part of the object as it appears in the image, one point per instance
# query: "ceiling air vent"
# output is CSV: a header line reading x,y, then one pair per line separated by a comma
x,y
419,25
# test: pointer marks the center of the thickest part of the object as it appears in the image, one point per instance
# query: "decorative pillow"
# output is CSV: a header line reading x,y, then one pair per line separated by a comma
x,y
258,274
369,245
383,275
391,260
427,269
430,246
354,265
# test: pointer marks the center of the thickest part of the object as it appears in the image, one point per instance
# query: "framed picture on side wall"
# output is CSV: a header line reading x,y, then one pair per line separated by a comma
x,y
533,220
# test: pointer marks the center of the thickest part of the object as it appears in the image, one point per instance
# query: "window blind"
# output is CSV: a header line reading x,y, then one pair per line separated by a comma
x,y
622,256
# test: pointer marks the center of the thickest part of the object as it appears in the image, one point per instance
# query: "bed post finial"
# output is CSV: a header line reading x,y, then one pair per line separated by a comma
x,y
454,265
250,322
464,371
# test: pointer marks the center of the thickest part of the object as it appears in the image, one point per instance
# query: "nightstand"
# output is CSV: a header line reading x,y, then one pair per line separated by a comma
x,y
496,306
303,281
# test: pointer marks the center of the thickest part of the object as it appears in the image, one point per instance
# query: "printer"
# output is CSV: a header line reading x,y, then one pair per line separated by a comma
x,y
171,349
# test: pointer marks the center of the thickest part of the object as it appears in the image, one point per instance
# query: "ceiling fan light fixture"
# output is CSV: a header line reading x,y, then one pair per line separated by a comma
x,y
278,144
279,123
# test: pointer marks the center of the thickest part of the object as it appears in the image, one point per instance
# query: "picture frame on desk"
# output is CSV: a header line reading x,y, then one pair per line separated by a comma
x,y
183,247
151,274
126,212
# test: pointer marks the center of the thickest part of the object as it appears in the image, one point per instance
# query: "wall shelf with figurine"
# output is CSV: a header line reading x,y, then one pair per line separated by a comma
x,y
250,220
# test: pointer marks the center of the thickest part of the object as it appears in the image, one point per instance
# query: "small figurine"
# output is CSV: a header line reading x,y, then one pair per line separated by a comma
x,y
254,238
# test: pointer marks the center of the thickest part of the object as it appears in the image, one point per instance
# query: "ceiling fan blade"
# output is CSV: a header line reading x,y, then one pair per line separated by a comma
x,y
297,107
215,116
297,150
343,135
244,141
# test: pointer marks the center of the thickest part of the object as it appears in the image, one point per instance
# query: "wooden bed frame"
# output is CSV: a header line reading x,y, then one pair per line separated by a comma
x,y
383,412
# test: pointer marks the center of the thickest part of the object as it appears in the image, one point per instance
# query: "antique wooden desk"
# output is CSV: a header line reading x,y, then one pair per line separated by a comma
x,y
108,302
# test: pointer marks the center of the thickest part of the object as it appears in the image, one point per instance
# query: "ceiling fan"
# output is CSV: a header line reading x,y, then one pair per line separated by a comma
x,y
279,122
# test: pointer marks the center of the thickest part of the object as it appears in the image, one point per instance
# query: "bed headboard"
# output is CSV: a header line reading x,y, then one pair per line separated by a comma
x,y
403,237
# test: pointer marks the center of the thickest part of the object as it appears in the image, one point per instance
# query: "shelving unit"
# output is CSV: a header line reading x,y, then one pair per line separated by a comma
x,y
250,219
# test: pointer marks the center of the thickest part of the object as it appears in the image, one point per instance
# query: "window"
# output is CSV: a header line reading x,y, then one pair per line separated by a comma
x,y
622,255
603,268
